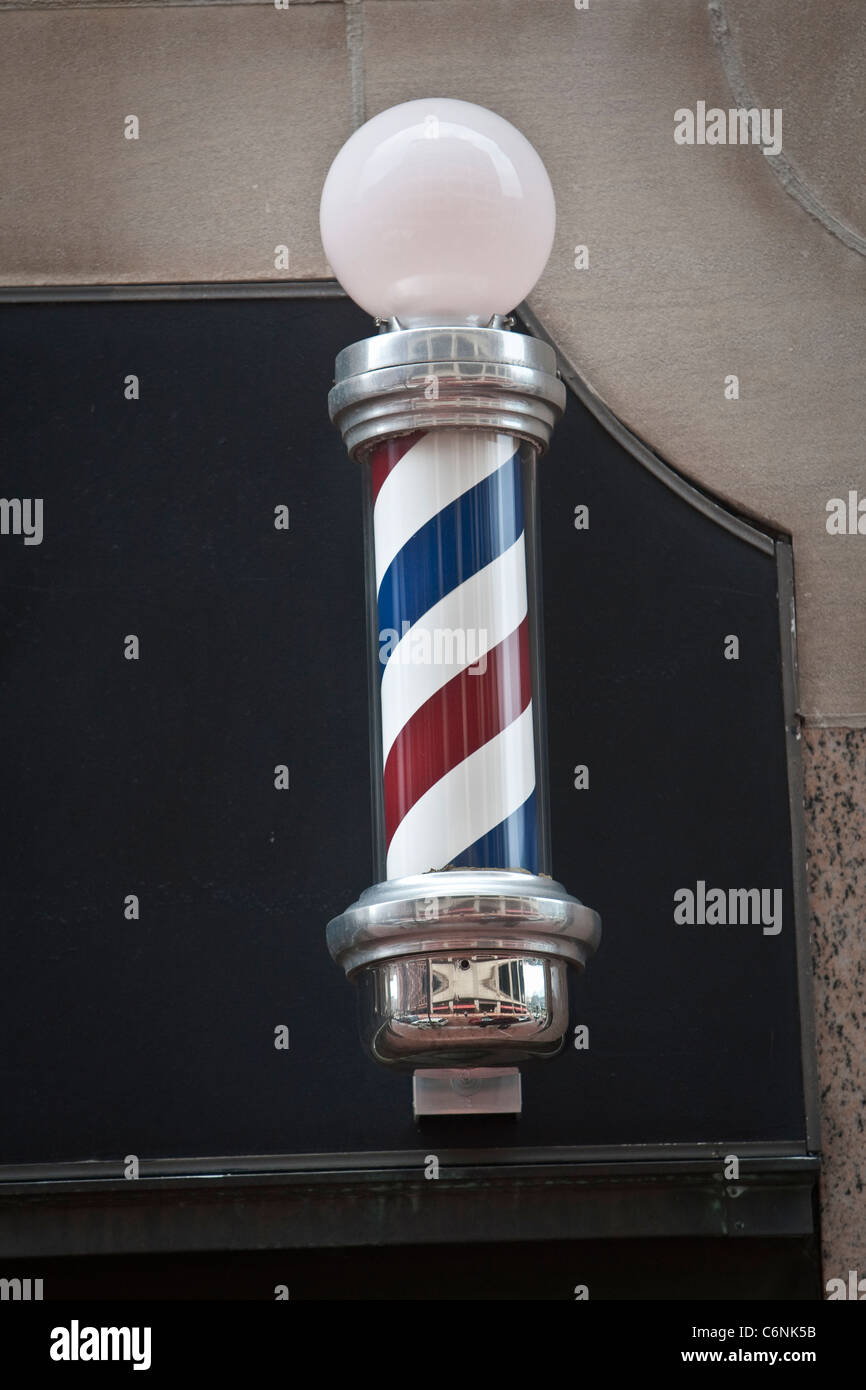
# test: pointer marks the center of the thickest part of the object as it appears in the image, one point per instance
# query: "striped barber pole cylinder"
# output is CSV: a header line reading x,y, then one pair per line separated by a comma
x,y
460,950
451,543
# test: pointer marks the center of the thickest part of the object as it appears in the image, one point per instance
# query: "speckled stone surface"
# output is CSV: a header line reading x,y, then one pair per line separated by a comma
x,y
835,800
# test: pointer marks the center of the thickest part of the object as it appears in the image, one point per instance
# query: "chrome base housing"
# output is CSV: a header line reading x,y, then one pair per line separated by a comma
x,y
457,1011
465,967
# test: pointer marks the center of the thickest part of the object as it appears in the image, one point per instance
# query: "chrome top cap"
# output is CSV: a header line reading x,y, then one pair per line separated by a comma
x,y
445,376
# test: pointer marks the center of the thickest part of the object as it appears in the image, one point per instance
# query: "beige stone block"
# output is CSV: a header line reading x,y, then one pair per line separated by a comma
x,y
240,109
809,60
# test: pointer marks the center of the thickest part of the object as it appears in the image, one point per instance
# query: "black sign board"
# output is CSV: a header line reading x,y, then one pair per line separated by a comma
x,y
164,901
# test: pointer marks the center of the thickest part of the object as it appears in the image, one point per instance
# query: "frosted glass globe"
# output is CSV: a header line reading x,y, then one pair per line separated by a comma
x,y
437,211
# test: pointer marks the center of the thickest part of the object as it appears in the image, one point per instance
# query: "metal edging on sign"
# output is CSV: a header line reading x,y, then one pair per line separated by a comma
x,y
794,750
229,289
608,1161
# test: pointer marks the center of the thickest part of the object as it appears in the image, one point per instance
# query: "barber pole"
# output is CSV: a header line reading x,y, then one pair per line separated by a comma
x,y
437,217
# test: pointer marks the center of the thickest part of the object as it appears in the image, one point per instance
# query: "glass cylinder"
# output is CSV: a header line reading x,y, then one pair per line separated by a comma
x,y
458,740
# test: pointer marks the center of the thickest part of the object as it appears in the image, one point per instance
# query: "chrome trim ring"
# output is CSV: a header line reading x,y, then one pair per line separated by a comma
x,y
458,910
459,377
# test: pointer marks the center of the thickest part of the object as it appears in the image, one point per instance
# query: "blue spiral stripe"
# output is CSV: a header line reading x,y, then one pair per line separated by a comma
x,y
456,543
512,844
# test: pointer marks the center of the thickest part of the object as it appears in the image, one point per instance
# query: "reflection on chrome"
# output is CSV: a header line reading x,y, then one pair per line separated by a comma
x,y
463,1009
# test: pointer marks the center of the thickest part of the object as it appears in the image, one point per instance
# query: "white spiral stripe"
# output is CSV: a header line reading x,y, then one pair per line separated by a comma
x,y
470,800
490,605
429,477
